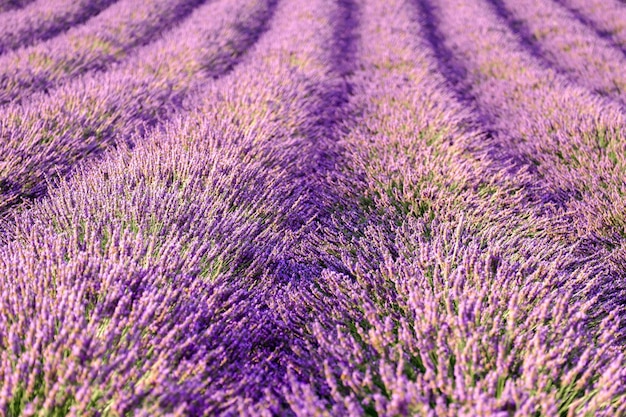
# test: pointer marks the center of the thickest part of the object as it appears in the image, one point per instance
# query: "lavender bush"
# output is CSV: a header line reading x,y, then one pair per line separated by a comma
x,y
323,207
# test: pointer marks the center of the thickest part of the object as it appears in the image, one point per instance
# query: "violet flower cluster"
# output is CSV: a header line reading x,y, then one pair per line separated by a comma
x,y
313,208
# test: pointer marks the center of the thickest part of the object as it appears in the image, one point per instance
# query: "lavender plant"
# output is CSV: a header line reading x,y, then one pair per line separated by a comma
x,y
215,196
568,137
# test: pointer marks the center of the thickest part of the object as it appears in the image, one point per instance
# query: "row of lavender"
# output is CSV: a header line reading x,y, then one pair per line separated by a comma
x,y
382,208
195,218
8,5
43,20
51,132
479,305
108,39
605,17
553,33
570,140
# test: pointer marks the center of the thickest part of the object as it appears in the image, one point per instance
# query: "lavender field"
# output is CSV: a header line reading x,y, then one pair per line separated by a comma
x,y
312,208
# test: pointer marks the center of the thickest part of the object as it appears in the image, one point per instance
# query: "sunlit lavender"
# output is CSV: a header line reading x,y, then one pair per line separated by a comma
x,y
313,208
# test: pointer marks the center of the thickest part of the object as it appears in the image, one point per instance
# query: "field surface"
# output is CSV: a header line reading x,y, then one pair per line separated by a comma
x,y
313,208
